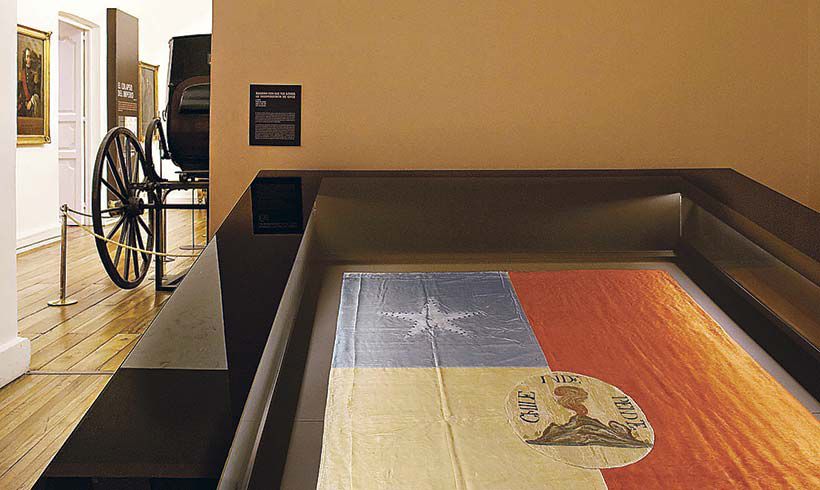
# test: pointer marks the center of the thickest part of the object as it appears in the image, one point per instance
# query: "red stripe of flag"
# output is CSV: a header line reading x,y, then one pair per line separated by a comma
x,y
720,420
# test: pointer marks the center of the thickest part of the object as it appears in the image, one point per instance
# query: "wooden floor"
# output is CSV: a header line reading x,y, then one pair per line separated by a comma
x,y
74,349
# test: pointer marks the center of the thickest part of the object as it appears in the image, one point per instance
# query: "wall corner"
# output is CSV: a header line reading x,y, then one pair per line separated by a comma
x,y
15,357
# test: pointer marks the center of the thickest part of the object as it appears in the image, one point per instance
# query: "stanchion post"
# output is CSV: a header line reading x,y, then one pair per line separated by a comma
x,y
193,245
63,300
164,258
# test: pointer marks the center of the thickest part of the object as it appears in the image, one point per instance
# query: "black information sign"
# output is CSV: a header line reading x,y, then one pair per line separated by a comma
x,y
276,204
276,115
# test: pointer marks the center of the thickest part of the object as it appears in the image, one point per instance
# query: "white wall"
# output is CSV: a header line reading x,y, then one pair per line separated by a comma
x,y
37,171
14,351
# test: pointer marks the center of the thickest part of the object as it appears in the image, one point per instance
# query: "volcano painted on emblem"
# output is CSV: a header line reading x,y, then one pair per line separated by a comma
x,y
582,430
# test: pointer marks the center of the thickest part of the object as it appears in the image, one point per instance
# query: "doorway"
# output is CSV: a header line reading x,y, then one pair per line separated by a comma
x,y
78,109
72,114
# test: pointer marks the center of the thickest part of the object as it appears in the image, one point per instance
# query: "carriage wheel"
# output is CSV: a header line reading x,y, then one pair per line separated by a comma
x,y
119,208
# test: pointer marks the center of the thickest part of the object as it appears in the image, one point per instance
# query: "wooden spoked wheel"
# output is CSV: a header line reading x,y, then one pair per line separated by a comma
x,y
120,208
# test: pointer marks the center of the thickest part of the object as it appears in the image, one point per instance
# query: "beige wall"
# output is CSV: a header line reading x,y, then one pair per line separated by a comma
x,y
812,161
522,84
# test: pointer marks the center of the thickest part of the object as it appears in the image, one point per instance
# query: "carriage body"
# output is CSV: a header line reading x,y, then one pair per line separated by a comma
x,y
188,107
128,201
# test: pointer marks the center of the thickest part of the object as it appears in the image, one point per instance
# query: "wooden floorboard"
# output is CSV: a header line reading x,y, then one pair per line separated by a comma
x,y
74,348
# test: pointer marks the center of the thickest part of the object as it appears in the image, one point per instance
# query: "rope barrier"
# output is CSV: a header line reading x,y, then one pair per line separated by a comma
x,y
66,210
78,212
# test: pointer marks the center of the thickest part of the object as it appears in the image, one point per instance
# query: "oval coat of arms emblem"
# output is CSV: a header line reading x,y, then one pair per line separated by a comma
x,y
579,420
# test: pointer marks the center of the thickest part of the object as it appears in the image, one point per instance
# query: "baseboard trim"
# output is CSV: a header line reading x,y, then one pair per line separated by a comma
x,y
34,240
15,356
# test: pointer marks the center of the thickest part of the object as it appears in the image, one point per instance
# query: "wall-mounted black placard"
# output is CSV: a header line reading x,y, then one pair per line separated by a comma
x,y
276,115
276,204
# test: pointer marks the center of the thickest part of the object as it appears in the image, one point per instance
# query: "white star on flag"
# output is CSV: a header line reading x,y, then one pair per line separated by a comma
x,y
432,318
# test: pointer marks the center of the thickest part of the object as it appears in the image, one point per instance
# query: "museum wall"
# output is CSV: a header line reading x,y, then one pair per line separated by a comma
x,y
521,84
813,109
14,351
37,166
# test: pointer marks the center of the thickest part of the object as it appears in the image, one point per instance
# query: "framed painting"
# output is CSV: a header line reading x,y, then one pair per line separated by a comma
x,y
33,102
149,100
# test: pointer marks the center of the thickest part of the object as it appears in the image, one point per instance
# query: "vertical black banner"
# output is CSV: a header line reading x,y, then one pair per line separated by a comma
x,y
275,115
122,45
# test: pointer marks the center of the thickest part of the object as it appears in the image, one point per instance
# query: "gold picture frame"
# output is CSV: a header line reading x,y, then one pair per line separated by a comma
x,y
149,73
33,105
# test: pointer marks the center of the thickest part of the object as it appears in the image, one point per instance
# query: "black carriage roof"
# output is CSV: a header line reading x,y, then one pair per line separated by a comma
x,y
190,57
187,36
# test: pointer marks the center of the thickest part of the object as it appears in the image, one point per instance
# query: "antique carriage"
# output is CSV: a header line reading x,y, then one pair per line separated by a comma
x,y
128,193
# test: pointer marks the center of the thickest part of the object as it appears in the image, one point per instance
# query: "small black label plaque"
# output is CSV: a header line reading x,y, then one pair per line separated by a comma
x,y
276,115
276,205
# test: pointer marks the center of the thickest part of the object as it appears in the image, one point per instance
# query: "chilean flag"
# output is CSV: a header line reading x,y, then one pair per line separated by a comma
x,y
432,371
